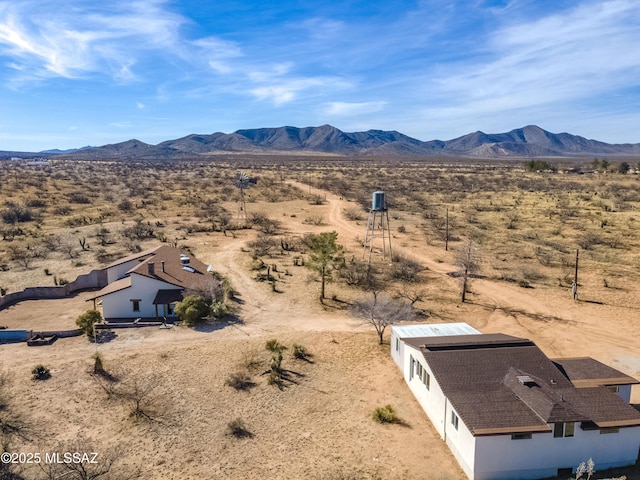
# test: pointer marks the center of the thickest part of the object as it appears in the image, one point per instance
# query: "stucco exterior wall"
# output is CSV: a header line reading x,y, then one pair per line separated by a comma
x,y
119,304
118,271
499,457
438,409
397,349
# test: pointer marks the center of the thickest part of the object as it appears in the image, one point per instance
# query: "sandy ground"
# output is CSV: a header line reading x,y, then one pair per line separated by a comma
x,y
318,427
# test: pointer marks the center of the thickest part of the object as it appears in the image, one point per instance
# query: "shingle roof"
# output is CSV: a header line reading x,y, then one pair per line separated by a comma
x,y
174,272
587,372
501,384
112,288
165,297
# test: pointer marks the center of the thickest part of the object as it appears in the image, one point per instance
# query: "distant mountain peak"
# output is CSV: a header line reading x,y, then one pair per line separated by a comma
x,y
527,141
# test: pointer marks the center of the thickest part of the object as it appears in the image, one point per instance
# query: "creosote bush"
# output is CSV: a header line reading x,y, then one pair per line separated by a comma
x,y
40,372
239,381
386,414
238,429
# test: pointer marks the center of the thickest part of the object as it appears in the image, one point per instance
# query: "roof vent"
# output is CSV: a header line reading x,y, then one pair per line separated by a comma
x,y
184,259
186,268
151,267
527,381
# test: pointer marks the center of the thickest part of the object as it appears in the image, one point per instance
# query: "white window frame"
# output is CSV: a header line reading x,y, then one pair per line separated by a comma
x,y
454,419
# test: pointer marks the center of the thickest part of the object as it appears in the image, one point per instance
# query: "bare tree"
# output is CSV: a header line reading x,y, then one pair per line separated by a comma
x,y
138,391
380,311
84,460
409,291
467,259
21,255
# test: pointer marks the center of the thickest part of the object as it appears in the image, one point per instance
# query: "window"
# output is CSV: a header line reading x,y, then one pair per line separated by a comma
x,y
566,429
520,436
454,419
614,388
411,364
423,375
397,344
136,305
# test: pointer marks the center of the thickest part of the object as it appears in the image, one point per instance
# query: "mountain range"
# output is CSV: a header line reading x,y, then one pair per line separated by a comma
x,y
529,141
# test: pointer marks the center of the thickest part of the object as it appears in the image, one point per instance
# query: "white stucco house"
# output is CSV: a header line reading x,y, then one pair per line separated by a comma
x,y
147,284
506,411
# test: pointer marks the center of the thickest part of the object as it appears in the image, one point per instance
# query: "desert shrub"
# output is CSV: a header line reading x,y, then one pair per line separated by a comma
x,y
353,214
538,166
125,205
386,414
78,197
87,321
138,231
36,203
314,219
98,367
588,240
14,213
238,429
262,246
239,381
405,269
40,372
193,309
262,222
299,352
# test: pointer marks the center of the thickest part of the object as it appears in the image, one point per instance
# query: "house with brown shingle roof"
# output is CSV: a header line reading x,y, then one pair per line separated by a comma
x,y
506,411
147,284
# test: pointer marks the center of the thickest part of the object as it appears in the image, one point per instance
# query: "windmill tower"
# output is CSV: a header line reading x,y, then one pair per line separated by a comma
x,y
242,181
378,210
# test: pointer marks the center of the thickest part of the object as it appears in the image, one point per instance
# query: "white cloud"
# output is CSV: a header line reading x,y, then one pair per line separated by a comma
x,y
140,105
45,40
353,108
589,50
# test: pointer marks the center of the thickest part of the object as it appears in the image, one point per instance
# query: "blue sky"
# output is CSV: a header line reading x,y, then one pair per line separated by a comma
x,y
81,72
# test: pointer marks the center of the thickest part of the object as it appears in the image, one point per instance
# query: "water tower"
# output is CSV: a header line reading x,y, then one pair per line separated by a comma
x,y
380,212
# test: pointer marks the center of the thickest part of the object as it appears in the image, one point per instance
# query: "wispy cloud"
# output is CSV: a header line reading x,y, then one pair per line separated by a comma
x,y
44,39
353,108
588,50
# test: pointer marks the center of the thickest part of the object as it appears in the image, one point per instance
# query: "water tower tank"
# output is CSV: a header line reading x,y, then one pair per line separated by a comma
x,y
377,201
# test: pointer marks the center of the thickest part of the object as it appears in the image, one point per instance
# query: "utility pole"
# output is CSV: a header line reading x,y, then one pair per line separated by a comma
x,y
446,238
574,287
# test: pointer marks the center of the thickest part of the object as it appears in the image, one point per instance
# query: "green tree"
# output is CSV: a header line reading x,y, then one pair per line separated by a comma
x,y
87,320
624,167
326,256
538,166
193,309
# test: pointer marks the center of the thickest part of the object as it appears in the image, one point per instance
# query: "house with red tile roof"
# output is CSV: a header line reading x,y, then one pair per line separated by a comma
x,y
507,411
147,284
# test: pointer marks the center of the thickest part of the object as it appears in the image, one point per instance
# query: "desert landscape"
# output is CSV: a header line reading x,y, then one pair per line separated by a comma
x,y
522,228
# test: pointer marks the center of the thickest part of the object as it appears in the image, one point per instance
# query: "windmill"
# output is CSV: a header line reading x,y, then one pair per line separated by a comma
x,y
242,181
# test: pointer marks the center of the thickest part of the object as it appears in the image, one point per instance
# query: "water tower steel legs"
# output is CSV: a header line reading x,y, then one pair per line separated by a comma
x,y
371,228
